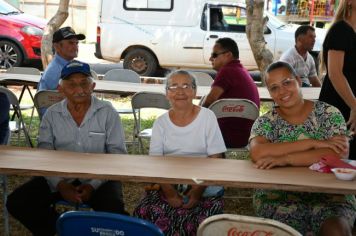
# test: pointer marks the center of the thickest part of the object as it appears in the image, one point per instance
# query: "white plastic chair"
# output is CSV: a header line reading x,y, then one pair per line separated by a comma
x,y
203,79
238,108
46,98
228,224
146,100
19,124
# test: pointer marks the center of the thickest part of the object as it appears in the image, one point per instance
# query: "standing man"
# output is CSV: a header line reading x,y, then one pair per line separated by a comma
x,y
232,81
65,43
299,57
79,123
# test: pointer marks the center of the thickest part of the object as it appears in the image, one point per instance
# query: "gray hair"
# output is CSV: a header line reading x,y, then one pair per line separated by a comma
x,y
181,72
90,78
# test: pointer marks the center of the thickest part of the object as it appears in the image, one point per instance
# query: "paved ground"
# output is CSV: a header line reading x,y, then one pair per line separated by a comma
x,y
86,54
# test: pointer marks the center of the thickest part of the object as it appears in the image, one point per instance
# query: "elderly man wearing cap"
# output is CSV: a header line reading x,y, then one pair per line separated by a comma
x,y
80,123
65,43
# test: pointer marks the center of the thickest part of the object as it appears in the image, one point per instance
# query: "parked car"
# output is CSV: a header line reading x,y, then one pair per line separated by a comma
x,y
150,34
20,36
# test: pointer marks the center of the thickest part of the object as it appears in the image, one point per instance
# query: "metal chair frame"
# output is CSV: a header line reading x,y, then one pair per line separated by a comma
x,y
123,75
25,71
142,100
20,124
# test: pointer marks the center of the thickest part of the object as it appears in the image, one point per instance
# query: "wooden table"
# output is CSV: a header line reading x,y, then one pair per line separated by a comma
x,y
125,88
138,168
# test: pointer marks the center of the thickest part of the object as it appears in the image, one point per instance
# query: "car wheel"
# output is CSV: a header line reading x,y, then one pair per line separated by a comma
x,y
141,61
10,54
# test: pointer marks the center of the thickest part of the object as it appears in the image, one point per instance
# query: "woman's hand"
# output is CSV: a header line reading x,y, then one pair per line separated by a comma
x,y
271,162
352,120
171,195
339,144
175,201
194,196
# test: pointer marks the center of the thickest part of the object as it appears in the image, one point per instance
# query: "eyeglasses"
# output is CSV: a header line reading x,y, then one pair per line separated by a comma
x,y
216,54
184,87
287,83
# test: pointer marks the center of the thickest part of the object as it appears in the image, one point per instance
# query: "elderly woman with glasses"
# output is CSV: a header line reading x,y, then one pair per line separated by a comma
x,y
298,132
185,130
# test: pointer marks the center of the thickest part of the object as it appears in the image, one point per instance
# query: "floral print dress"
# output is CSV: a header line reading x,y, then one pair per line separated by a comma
x,y
303,211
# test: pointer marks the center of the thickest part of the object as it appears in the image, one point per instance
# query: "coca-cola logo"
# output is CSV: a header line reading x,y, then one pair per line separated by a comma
x,y
236,232
233,108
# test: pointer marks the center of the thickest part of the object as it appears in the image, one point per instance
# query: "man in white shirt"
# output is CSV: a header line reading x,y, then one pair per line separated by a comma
x,y
299,57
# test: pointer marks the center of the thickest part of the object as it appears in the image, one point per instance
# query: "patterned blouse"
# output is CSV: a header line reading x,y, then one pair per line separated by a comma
x,y
324,122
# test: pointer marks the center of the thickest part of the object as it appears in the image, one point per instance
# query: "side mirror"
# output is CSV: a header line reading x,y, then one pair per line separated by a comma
x,y
266,30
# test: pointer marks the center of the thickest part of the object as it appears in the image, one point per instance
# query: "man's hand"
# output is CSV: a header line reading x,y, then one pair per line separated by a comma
x,y
68,192
270,162
85,191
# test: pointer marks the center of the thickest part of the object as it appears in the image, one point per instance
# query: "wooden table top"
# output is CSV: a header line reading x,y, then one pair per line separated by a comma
x,y
126,88
139,168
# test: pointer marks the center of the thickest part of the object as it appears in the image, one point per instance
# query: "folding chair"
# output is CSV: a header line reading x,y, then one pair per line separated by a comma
x,y
146,100
19,124
25,71
46,98
123,75
102,223
228,224
234,107
203,79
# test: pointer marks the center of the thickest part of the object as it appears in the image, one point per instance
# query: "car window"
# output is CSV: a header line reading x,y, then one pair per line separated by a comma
x,y
148,5
6,8
232,19
227,18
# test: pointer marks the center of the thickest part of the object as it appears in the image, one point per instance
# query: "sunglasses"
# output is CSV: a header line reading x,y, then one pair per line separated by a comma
x,y
216,54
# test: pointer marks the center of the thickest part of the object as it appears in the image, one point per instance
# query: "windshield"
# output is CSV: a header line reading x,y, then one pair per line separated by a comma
x,y
6,8
277,23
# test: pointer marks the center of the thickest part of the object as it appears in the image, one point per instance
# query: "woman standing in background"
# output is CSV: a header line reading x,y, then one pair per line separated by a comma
x,y
339,56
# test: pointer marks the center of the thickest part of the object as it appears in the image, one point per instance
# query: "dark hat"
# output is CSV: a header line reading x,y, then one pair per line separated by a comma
x,y
66,33
73,67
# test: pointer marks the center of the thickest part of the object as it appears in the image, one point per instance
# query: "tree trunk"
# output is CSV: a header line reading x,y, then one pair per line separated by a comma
x,y
255,26
53,25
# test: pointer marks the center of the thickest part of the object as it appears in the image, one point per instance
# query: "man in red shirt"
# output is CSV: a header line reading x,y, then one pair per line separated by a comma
x,y
232,81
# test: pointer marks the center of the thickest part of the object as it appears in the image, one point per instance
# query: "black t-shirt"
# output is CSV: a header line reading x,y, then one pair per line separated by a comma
x,y
341,37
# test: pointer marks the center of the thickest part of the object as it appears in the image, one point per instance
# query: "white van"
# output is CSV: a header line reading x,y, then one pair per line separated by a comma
x,y
148,34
